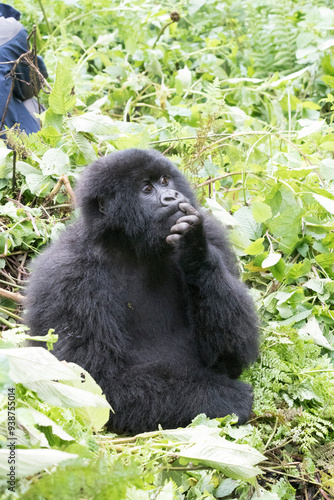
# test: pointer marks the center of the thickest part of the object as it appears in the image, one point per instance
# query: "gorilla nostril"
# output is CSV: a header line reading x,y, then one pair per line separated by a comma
x,y
169,197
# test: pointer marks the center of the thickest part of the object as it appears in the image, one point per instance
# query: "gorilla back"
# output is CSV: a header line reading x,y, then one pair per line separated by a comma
x,y
143,292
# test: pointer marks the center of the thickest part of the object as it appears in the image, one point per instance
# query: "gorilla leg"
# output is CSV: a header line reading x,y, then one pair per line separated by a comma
x,y
145,396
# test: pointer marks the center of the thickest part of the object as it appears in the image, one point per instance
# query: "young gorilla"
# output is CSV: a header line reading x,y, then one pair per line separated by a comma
x,y
143,293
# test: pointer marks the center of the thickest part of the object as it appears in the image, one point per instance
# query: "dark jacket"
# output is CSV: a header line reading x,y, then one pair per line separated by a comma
x,y
23,88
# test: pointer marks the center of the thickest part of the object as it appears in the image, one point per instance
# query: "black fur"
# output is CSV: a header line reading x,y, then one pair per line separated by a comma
x,y
164,328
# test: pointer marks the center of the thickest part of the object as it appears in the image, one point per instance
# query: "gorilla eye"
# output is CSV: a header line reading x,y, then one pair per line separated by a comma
x,y
164,181
147,188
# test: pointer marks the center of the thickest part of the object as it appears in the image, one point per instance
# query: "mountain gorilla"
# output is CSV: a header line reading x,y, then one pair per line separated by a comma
x,y
143,292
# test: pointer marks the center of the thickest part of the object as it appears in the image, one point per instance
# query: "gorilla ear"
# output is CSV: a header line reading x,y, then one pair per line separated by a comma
x,y
100,202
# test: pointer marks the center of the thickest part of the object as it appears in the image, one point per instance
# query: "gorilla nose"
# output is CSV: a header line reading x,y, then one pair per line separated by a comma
x,y
170,196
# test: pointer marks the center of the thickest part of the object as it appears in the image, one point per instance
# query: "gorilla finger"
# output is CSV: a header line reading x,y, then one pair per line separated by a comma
x,y
173,239
190,219
180,228
188,209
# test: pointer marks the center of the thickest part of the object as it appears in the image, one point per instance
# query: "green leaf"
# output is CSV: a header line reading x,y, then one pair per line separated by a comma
x,y
95,416
325,259
58,394
84,146
261,211
55,162
236,461
245,218
271,260
62,98
221,214
329,80
255,248
327,203
39,363
29,462
298,269
312,330
278,270
287,227
327,146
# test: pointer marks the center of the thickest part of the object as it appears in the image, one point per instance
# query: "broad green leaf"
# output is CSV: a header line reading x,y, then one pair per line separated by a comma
x,y
295,319
287,226
55,162
40,419
327,146
261,211
58,394
310,129
221,214
62,98
278,270
327,169
298,269
312,330
327,203
245,218
35,364
234,460
96,416
184,77
329,80
317,285
29,462
271,260
325,259
84,146
256,247
94,123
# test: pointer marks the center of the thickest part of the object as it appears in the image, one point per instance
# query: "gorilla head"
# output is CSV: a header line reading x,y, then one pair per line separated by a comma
x,y
136,196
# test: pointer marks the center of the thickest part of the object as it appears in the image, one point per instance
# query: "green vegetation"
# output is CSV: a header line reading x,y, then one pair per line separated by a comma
x,y
240,95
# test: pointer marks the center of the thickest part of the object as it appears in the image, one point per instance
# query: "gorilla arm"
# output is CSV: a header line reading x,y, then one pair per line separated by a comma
x,y
225,319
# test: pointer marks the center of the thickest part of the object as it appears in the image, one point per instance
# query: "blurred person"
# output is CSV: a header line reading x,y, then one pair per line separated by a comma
x,y
22,104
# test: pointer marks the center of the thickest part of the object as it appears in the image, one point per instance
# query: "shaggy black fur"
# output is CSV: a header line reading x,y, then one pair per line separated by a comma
x,y
144,294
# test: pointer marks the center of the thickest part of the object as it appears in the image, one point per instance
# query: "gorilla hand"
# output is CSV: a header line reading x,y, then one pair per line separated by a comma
x,y
190,220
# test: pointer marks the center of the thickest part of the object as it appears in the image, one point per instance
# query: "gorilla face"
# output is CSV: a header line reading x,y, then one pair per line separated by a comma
x,y
136,197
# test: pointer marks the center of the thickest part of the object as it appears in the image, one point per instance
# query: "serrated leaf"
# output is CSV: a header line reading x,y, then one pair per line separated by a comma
x,y
62,98
40,419
298,269
245,218
84,146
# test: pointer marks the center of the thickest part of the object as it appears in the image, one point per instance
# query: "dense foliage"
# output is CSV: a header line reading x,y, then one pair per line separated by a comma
x,y
239,94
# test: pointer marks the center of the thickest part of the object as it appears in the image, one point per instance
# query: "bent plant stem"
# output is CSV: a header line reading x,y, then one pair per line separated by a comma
x,y
63,180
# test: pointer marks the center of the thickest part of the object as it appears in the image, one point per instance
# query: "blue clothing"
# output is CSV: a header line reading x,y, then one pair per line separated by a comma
x,y
10,51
